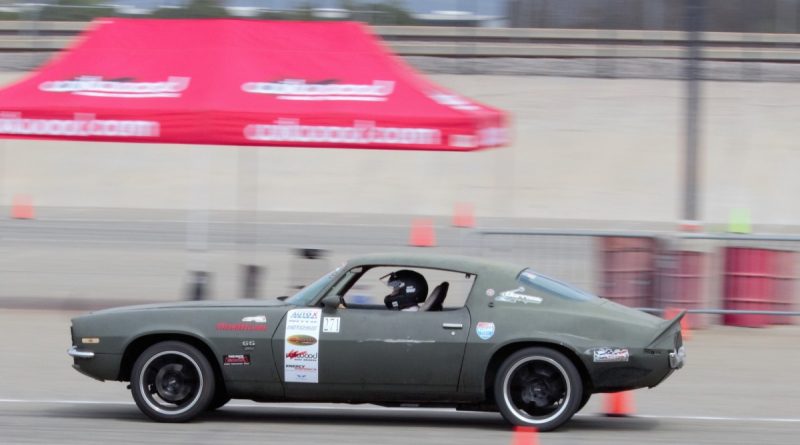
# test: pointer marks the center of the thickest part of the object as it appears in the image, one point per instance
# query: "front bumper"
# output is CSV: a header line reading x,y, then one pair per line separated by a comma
x,y
75,353
97,365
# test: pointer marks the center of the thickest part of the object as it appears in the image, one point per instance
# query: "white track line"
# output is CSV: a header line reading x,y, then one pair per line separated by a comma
x,y
722,419
410,409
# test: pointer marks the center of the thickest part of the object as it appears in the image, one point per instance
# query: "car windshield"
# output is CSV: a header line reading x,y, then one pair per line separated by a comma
x,y
306,294
530,278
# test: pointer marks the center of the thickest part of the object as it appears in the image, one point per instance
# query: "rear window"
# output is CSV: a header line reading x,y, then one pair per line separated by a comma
x,y
531,279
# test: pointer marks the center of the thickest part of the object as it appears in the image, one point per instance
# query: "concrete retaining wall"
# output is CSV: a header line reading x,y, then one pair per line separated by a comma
x,y
586,149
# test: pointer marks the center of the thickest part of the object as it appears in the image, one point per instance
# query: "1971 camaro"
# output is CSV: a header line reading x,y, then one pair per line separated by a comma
x,y
490,336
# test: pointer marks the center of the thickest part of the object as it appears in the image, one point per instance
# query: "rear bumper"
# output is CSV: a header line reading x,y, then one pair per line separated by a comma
x,y
645,368
677,358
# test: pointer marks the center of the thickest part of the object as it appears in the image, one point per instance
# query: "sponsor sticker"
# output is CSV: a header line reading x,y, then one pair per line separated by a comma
x,y
255,319
331,324
485,330
301,355
516,296
236,359
301,340
605,355
248,345
301,360
241,327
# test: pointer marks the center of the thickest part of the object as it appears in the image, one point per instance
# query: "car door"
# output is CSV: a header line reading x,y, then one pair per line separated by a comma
x,y
379,354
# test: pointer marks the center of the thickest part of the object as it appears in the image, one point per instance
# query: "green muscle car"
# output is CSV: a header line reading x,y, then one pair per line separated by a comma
x,y
391,330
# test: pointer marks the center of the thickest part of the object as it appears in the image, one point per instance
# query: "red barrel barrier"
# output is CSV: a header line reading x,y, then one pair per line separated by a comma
x,y
682,282
784,266
748,285
628,270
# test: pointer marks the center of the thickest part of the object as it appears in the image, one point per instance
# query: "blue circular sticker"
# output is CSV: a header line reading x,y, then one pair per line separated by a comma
x,y
485,330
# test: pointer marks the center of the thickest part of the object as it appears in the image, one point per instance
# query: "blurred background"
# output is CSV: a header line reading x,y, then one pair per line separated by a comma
x,y
652,161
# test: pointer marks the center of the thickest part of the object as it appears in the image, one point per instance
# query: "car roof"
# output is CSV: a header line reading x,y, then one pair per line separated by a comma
x,y
457,263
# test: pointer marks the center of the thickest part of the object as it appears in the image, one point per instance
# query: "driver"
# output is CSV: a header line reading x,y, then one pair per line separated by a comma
x,y
409,289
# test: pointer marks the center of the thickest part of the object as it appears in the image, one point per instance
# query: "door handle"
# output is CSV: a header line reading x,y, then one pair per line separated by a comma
x,y
452,325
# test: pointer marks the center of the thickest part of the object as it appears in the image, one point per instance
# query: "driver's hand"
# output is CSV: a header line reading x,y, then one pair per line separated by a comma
x,y
341,306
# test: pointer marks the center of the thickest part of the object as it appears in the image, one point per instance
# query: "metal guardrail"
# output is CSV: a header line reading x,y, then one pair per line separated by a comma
x,y
738,237
493,42
714,311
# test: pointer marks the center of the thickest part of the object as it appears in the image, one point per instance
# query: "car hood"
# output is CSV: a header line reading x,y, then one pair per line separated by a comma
x,y
193,304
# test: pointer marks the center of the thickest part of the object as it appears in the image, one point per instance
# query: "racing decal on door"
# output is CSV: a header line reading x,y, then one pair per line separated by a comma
x,y
331,324
301,347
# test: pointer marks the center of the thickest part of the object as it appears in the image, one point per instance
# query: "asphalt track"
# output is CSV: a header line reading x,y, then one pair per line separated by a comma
x,y
737,388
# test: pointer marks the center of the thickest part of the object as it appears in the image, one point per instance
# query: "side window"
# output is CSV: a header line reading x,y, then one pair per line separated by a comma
x,y
372,287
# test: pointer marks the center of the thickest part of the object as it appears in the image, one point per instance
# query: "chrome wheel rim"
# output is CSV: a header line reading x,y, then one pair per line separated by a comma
x,y
171,382
536,390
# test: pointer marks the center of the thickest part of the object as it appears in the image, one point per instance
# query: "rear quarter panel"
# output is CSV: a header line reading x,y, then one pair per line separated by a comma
x,y
574,326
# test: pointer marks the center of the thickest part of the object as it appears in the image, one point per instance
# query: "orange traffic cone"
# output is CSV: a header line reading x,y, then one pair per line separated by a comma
x,y
671,312
22,208
619,404
690,226
422,234
525,435
464,216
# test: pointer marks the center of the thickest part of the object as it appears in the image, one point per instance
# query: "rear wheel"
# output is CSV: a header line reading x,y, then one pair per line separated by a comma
x,y
584,400
538,387
172,381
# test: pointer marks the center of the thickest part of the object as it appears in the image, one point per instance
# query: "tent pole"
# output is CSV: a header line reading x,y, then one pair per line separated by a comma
x,y
247,220
2,184
2,171
197,231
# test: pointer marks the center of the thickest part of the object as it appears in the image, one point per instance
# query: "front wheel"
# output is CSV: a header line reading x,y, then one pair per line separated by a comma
x,y
172,381
538,387
218,401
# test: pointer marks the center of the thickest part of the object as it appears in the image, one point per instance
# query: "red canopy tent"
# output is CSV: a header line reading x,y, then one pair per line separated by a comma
x,y
242,82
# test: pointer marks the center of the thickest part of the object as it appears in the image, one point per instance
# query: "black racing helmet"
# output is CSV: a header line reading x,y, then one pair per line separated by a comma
x,y
409,288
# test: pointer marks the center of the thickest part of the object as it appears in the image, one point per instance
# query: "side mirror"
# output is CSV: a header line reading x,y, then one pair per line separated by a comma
x,y
330,303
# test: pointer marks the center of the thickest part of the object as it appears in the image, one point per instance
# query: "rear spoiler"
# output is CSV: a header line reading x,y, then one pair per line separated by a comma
x,y
666,328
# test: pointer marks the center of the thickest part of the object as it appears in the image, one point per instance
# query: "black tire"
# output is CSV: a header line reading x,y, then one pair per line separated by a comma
x,y
218,401
584,401
538,387
172,381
